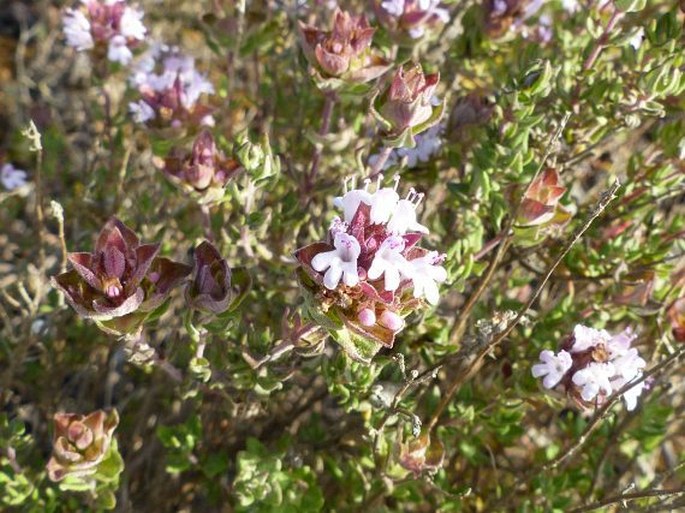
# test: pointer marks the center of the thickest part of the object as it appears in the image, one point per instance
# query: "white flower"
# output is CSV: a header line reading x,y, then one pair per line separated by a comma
x,y
393,7
585,338
131,24
383,203
340,262
389,262
141,111
11,177
593,379
425,274
570,6
77,30
403,219
631,395
553,367
428,144
117,51
417,32
350,201
636,40
629,364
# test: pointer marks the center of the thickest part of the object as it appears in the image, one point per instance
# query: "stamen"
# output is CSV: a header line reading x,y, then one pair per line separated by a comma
x,y
419,198
367,182
396,179
379,180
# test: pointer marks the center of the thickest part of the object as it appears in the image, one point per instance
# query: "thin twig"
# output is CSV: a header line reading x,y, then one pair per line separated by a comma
x,y
627,497
476,363
326,116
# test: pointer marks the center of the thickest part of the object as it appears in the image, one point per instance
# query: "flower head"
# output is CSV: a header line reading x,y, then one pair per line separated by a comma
x,y
407,108
370,273
121,279
592,364
80,443
409,20
170,88
342,56
422,454
112,27
202,172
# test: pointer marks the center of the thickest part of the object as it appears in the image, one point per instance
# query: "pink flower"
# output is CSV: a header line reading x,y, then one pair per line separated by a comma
x,y
362,275
111,25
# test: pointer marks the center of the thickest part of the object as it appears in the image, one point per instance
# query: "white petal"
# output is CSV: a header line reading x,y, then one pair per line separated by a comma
x,y
323,261
332,276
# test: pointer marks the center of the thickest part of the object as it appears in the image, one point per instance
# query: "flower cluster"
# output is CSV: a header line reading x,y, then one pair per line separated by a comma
x,y
204,171
112,25
342,56
121,282
11,177
408,107
592,364
412,17
370,273
81,443
171,88
540,212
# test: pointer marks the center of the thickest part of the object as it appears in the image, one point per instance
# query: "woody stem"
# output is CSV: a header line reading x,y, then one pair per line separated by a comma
x,y
326,115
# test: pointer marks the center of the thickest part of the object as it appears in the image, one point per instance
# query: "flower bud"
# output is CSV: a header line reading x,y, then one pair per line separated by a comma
x,y
210,288
204,172
80,443
112,282
407,107
540,211
343,56
421,454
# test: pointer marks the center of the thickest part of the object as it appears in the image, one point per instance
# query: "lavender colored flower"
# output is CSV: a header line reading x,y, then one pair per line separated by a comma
x,y
370,273
428,144
553,367
112,27
410,19
11,177
171,89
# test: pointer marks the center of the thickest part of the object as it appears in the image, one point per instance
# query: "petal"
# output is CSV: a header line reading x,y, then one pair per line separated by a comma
x,y
540,369
332,276
551,380
392,278
324,260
